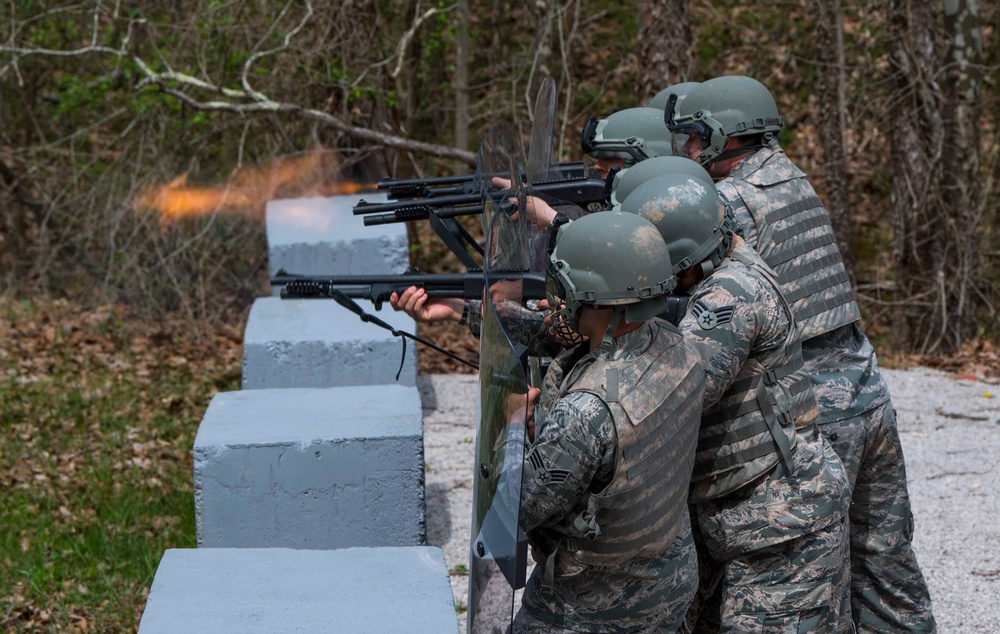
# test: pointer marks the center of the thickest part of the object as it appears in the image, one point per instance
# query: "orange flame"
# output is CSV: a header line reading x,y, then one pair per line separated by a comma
x,y
249,189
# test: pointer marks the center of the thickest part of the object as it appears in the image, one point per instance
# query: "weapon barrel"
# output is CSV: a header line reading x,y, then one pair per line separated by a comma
x,y
411,188
441,201
389,183
421,214
378,288
408,192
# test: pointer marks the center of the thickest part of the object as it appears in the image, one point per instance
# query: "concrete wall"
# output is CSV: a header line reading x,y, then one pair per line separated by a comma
x,y
318,343
311,468
322,236
270,591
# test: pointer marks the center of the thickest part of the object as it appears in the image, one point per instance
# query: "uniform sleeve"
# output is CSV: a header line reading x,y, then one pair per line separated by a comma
x,y
571,445
722,324
528,328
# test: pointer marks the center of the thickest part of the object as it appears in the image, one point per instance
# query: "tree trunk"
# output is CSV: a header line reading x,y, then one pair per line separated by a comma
x,y
936,189
462,78
832,122
663,45
916,138
961,183
545,15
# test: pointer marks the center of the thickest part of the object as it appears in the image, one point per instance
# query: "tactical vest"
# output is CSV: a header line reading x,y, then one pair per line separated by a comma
x,y
795,238
752,427
642,510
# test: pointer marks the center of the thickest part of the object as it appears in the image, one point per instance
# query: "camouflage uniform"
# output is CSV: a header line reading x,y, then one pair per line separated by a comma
x,y
774,206
524,326
578,493
775,547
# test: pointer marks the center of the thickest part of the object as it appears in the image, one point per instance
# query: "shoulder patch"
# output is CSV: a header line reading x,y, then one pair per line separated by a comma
x,y
543,475
710,318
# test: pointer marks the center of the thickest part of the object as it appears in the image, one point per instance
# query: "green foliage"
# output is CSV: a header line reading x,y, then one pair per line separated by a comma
x,y
95,437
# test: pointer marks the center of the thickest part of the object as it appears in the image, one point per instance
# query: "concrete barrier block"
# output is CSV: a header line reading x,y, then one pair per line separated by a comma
x,y
311,468
318,343
267,591
322,236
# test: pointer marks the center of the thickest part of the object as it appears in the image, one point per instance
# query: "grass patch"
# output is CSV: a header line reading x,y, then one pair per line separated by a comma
x,y
97,419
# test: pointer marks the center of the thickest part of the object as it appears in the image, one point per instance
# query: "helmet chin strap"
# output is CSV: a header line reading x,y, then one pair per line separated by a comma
x,y
707,267
607,341
731,153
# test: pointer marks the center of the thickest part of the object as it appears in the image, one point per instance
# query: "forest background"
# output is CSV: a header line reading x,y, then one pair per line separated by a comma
x,y
140,142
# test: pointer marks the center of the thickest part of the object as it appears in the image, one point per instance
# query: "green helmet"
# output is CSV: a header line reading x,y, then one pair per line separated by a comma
x,y
609,259
681,90
625,181
634,135
690,216
722,108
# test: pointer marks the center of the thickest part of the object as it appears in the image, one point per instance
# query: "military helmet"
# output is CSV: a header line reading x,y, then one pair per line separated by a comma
x,y
609,259
659,101
689,214
634,135
721,108
625,181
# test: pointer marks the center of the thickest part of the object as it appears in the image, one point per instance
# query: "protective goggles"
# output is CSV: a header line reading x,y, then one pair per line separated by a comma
x,y
630,149
698,123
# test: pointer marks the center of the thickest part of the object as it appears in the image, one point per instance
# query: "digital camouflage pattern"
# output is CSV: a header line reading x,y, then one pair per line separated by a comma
x,y
742,328
573,458
797,586
523,325
783,511
888,591
779,214
655,401
671,581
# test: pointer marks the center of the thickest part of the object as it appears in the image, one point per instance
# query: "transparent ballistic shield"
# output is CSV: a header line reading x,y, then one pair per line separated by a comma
x,y
543,122
499,548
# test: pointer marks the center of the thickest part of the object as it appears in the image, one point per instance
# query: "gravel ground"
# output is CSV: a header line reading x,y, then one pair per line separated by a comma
x,y
950,431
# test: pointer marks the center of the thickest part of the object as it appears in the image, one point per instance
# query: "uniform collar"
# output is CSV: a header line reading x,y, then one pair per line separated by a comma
x,y
754,162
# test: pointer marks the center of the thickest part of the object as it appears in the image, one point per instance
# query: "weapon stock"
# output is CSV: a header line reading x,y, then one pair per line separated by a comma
x,y
378,288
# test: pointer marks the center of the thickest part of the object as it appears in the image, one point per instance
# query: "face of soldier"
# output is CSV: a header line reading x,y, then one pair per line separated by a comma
x,y
604,165
692,147
717,169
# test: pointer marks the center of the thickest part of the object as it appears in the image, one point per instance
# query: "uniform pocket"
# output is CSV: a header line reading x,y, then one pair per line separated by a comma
x,y
781,609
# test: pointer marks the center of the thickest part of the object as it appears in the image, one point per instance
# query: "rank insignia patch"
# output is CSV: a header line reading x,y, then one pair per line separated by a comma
x,y
544,475
709,319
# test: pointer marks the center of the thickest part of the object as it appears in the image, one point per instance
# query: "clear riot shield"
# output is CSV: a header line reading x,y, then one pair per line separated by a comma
x,y
540,167
498,555
543,122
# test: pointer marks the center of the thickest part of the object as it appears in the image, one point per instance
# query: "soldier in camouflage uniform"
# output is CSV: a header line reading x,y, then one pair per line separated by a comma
x,y
769,493
622,140
731,125
605,477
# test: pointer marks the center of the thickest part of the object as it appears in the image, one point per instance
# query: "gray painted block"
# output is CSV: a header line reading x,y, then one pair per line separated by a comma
x,y
311,468
321,236
318,343
266,591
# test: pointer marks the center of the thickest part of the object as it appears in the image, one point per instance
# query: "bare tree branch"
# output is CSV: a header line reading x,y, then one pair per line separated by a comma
x,y
244,101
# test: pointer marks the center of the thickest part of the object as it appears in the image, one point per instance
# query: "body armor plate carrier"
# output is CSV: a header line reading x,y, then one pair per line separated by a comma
x,y
795,238
641,511
752,427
